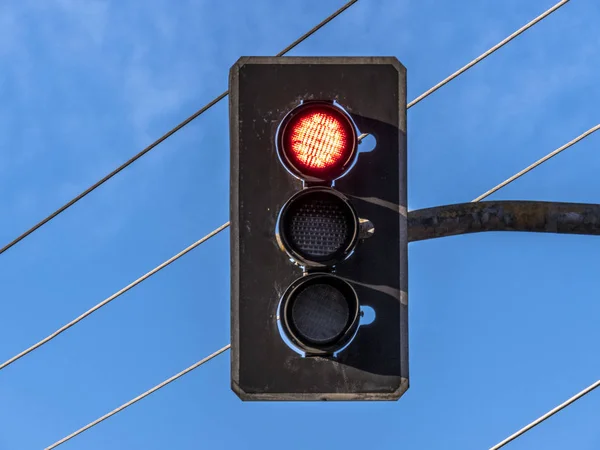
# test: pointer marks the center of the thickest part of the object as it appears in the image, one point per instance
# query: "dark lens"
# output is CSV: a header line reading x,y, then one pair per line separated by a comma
x,y
320,313
319,226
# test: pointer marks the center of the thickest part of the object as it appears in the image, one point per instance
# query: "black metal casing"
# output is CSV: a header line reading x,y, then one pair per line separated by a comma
x,y
375,364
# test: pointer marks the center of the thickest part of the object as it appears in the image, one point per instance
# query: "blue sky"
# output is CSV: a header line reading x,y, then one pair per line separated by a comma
x,y
503,327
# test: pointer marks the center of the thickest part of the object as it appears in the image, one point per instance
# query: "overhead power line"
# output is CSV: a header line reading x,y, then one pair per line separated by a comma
x,y
107,300
166,135
537,163
546,416
139,397
484,55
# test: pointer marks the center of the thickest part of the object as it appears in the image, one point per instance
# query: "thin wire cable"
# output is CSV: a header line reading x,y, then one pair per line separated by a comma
x,y
488,193
139,397
167,135
315,29
480,58
112,297
537,163
487,53
546,416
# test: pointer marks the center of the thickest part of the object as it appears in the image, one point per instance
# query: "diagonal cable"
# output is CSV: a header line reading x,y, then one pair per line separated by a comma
x,y
166,135
488,52
537,163
546,416
107,300
481,57
139,397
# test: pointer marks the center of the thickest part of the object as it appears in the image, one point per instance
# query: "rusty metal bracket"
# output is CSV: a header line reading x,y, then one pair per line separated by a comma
x,y
540,217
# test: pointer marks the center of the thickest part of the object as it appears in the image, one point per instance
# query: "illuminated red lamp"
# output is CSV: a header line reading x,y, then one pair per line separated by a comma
x,y
317,141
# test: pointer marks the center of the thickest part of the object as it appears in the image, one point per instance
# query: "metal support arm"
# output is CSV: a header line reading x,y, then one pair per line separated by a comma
x,y
541,217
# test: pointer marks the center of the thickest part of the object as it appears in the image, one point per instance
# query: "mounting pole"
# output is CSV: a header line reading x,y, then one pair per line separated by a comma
x,y
540,217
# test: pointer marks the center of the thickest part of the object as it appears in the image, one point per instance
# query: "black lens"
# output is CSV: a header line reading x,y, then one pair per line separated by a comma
x,y
320,313
318,225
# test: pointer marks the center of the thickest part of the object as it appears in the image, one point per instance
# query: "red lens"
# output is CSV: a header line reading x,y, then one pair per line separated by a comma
x,y
319,141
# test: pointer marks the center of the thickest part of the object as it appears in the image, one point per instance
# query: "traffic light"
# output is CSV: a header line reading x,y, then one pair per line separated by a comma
x,y
318,229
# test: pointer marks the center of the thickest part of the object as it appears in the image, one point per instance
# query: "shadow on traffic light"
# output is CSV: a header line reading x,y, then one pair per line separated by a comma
x,y
362,354
373,269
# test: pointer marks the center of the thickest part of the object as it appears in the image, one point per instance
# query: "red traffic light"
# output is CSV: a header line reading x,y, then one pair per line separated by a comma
x,y
317,141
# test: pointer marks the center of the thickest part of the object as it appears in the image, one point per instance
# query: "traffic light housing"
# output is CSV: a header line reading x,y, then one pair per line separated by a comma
x,y
318,229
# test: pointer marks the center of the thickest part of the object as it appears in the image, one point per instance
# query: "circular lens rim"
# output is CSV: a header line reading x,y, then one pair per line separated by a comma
x,y
305,174
291,331
326,261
